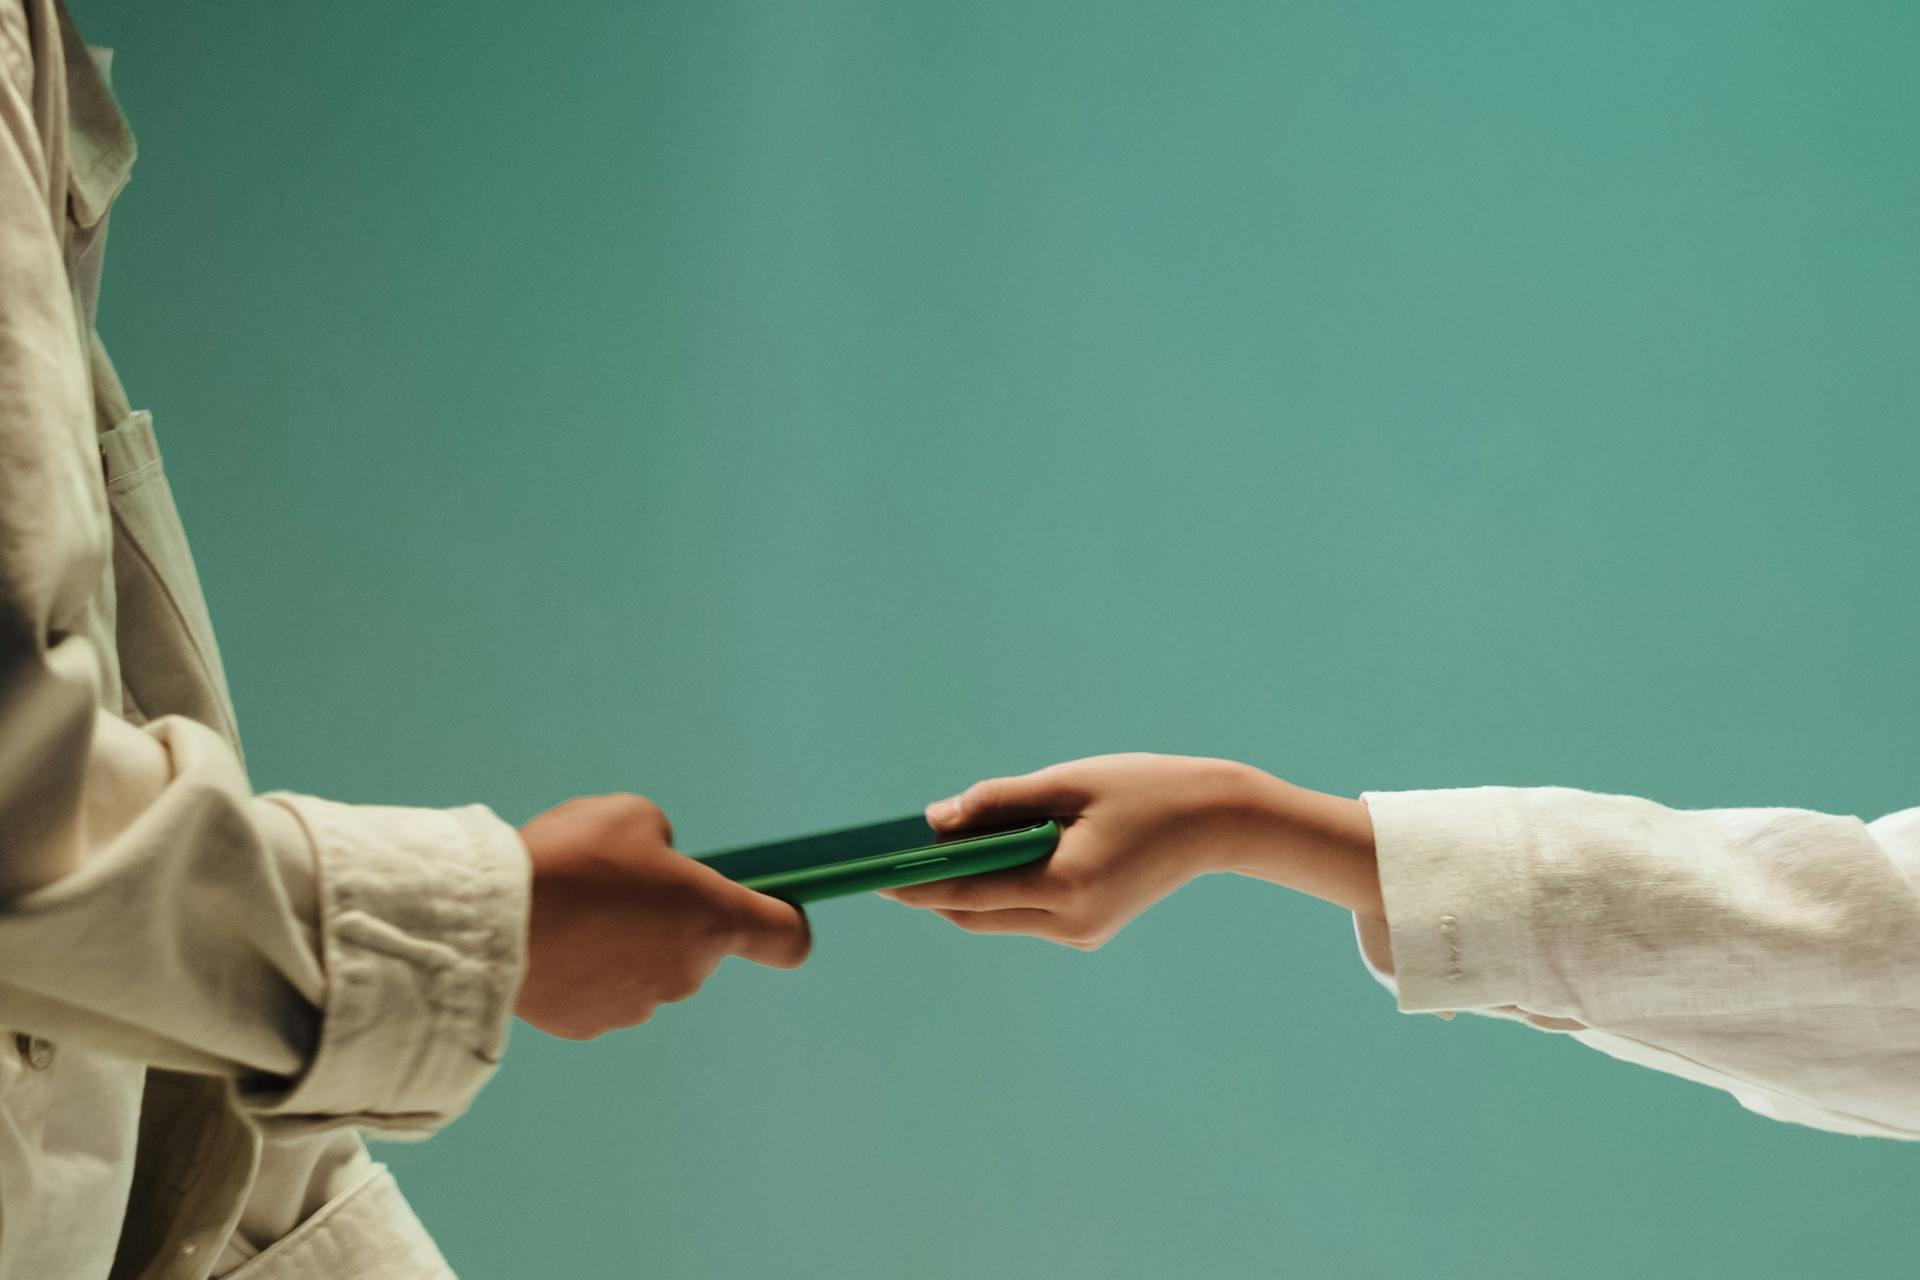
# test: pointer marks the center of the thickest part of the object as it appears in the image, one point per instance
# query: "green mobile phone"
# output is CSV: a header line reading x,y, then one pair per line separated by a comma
x,y
880,855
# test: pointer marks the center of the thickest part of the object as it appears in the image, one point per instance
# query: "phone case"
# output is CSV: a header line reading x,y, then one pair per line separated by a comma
x,y
963,856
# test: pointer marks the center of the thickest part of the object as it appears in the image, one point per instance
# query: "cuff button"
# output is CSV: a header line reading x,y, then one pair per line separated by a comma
x,y
35,1051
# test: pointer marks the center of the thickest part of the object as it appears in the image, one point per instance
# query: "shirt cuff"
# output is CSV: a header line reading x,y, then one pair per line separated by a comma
x,y
422,933
1376,951
1454,888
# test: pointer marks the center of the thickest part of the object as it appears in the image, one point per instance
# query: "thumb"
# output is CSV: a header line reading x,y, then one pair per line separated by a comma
x,y
1045,793
772,932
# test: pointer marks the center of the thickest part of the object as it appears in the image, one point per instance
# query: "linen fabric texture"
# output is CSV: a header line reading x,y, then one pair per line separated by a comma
x,y
208,993
1773,953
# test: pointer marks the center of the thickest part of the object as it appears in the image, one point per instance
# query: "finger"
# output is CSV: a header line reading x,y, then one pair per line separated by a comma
x,y
1030,921
1026,886
772,932
1547,1022
1052,792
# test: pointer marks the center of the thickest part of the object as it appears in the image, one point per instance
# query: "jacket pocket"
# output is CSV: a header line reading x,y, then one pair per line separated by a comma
x,y
169,663
368,1232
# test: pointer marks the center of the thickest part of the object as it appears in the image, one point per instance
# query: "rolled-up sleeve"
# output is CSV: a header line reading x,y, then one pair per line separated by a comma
x,y
344,964
422,926
1772,952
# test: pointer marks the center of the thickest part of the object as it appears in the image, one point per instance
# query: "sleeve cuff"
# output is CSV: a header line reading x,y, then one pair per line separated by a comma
x,y
423,920
1376,951
1455,890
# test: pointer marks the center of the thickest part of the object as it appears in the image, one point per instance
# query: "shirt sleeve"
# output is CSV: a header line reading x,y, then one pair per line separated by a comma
x,y
1773,953
341,964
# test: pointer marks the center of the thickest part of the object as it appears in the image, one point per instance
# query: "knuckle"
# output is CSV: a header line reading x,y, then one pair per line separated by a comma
x,y
730,913
713,928
638,1007
637,808
707,920
608,818
730,934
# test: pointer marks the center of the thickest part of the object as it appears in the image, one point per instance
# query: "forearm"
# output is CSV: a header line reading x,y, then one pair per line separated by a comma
x,y
1310,841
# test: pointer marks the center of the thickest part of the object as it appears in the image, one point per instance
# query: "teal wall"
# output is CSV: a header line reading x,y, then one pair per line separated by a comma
x,y
794,412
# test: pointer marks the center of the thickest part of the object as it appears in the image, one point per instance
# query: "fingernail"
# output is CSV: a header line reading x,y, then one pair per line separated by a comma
x,y
945,810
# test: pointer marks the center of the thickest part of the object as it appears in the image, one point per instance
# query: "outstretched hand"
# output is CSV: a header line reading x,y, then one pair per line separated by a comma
x,y
1135,827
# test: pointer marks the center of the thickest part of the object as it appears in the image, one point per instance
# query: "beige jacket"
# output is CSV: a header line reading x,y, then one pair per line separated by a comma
x,y
272,972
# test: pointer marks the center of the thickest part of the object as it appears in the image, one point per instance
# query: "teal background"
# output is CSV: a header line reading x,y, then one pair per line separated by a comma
x,y
794,412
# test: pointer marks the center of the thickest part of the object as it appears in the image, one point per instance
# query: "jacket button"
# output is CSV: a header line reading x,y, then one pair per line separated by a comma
x,y
38,1053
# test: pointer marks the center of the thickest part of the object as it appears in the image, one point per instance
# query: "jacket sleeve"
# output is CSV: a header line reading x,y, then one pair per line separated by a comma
x,y
341,964
1772,953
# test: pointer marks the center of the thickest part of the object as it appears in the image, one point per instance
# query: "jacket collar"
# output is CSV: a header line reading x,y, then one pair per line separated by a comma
x,y
100,147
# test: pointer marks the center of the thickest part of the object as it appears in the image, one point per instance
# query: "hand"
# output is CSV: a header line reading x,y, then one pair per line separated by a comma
x,y
1137,826
622,924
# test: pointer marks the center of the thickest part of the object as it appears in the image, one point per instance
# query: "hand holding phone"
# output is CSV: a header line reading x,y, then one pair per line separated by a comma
x,y
621,924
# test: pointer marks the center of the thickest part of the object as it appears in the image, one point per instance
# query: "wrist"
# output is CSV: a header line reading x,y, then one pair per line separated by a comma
x,y
1310,841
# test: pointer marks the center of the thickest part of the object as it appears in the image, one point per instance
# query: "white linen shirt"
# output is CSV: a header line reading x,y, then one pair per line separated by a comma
x,y
1772,953
205,992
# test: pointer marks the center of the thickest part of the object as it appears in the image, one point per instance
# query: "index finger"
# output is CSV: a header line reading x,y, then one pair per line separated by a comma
x,y
988,891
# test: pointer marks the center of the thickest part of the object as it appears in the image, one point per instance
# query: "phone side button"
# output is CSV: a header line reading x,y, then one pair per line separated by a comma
x,y
924,862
